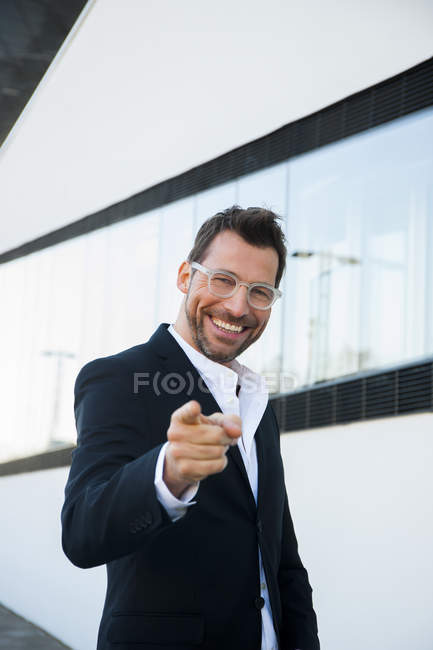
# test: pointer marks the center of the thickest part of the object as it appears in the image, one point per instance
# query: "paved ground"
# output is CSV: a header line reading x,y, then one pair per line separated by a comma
x,y
18,634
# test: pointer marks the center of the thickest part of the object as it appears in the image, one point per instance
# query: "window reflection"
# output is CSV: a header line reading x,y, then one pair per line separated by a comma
x,y
131,276
214,200
176,224
87,297
95,296
59,323
265,189
358,290
358,215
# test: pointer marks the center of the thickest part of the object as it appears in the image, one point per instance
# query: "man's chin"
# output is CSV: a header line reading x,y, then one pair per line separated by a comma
x,y
214,353
222,353
217,351
220,357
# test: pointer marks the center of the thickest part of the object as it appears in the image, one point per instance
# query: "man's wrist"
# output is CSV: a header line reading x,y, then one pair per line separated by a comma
x,y
175,507
176,486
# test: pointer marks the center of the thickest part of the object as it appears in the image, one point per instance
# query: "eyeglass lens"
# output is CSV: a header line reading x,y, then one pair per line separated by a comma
x,y
224,285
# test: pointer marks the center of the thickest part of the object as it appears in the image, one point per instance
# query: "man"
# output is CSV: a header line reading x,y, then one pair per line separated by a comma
x,y
177,482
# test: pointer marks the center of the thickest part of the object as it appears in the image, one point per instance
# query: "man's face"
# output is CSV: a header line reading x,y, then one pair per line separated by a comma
x,y
228,252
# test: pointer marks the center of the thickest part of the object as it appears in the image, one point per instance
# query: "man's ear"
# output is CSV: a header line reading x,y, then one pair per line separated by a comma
x,y
184,277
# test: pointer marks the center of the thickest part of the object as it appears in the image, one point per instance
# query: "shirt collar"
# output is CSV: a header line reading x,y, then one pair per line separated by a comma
x,y
211,370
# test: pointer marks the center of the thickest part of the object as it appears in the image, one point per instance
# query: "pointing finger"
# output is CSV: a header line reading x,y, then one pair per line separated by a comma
x,y
189,413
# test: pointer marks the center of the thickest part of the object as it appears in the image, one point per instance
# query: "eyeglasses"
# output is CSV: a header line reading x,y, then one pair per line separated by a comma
x,y
224,285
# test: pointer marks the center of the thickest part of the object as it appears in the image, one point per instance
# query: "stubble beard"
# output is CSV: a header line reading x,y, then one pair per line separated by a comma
x,y
202,342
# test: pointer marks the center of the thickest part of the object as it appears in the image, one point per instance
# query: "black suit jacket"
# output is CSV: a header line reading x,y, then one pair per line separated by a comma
x,y
193,583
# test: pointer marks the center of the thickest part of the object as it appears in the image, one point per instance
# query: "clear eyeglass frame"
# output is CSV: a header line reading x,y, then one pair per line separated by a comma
x,y
250,285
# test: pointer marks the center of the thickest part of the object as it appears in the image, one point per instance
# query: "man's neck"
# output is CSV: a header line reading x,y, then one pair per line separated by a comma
x,y
185,333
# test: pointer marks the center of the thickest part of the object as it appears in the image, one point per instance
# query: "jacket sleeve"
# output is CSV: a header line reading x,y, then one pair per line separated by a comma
x,y
110,503
299,623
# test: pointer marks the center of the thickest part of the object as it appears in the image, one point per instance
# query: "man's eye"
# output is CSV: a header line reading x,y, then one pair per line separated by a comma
x,y
262,292
223,280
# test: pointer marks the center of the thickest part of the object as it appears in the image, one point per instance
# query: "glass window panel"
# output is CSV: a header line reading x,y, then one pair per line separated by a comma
x,y
358,228
212,201
13,357
58,343
94,339
265,189
42,361
42,339
428,294
176,241
132,272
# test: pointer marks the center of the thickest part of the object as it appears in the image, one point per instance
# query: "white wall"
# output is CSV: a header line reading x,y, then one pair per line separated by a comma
x,y
37,580
145,90
360,497
361,501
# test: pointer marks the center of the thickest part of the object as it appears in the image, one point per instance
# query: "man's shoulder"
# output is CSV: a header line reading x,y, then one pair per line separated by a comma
x,y
136,354
115,366
138,358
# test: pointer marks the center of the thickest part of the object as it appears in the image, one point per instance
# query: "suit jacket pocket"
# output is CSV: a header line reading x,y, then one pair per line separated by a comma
x,y
140,627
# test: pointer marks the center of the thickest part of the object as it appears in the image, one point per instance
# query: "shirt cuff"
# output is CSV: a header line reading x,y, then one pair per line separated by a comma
x,y
175,508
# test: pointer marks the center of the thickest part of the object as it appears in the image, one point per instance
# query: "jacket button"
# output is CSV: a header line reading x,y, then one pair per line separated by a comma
x,y
141,523
148,518
259,526
259,602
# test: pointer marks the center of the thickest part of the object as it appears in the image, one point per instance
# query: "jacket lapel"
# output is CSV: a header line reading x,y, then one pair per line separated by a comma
x,y
235,456
261,462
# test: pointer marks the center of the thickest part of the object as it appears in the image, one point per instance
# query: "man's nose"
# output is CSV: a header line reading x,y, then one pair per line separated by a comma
x,y
237,305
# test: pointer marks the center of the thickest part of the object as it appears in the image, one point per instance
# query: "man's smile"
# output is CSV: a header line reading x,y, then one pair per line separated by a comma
x,y
226,325
226,329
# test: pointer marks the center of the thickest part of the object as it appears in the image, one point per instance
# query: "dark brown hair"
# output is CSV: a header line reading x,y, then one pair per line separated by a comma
x,y
257,226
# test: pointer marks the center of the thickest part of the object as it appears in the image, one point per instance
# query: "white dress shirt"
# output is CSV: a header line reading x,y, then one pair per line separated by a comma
x,y
250,406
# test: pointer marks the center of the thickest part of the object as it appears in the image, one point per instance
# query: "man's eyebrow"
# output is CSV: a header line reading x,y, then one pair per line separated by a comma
x,y
269,284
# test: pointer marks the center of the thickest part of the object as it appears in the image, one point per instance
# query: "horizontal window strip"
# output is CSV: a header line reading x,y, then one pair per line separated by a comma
x,y
316,406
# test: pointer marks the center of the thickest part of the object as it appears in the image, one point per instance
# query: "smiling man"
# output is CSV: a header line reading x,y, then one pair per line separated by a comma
x,y
177,481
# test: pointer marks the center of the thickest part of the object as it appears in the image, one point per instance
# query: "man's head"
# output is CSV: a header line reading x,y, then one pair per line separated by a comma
x,y
250,245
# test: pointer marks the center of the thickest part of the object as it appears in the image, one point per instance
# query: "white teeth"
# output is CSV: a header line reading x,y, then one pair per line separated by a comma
x,y
227,326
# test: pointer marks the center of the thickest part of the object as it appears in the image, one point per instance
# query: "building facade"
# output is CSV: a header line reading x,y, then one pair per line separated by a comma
x,y
348,352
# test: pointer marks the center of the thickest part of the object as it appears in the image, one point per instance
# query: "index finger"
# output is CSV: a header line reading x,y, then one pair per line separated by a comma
x,y
189,413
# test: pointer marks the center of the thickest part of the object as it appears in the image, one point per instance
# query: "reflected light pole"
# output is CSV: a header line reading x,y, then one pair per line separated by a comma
x,y
54,441
344,259
319,325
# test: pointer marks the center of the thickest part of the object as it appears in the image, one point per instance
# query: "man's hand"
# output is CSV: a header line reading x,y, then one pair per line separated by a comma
x,y
197,445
